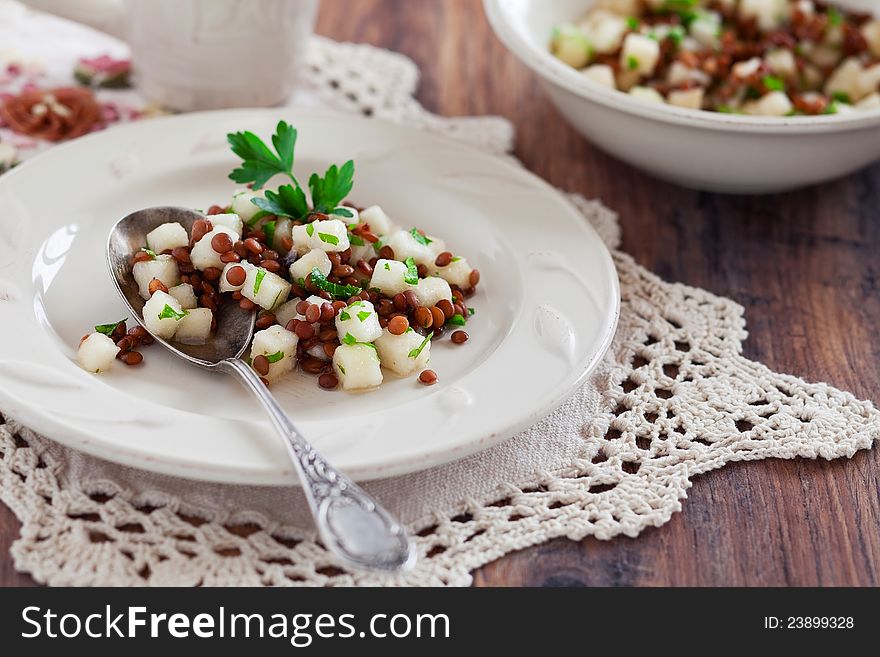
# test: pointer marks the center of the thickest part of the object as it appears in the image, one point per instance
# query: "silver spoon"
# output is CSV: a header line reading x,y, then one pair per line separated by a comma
x,y
350,522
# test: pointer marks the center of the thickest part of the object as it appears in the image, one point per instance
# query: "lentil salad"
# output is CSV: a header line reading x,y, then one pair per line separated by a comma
x,y
754,57
340,290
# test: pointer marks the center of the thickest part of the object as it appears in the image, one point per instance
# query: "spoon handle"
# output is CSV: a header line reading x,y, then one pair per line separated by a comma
x,y
351,524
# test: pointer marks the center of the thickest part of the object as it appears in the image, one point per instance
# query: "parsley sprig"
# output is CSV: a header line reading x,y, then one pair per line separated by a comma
x,y
260,163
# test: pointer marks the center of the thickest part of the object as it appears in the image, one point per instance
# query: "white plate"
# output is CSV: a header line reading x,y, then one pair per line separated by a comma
x,y
545,312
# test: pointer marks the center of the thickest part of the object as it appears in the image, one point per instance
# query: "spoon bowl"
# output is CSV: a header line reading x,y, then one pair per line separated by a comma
x,y
352,525
234,325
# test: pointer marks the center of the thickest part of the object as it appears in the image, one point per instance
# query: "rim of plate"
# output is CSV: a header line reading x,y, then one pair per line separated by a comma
x,y
549,68
30,414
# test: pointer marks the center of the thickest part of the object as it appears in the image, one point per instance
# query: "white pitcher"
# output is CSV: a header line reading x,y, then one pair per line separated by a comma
x,y
205,54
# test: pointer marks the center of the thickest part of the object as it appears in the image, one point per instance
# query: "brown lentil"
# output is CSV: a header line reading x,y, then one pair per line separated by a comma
x,y
264,381
386,253
330,348
252,245
229,256
211,273
265,321
474,278
141,334
286,243
422,271
459,337
269,254
201,227
342,270
302,307
246,304
119,331
207,301
311,342
411,299
181,254
338,305
364,267
312,313
271,265
156,285
428,377
398,325
261,364
132,358
335,259
312,365
328,381
372,238
304,330
240,248
327,334
292,324
125,344
236,275
423,317
221,243
438,316
446,306
400,301
328,312
443,259
141,256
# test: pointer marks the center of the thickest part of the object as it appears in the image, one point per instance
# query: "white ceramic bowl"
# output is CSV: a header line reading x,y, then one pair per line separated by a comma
x,y
703,150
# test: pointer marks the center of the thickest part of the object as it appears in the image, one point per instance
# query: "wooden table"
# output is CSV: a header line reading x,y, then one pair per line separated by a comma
x,y
805,266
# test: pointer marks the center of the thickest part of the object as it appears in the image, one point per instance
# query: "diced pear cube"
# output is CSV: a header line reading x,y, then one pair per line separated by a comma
x,y
330,235
406,246
601,74
782,62
185,295
203,254
388,277
871,32
640,53
287,311
742,70
869,102
229,220
571,46
283,227
776,103
357,366
162,314
457,272
868,82
225,285
195,327
431,290
380,223
770,14
606,33
358,322
303,266
647,95
242,205
163,267
272,342
96,353
394,352
687,98
167,236
264,288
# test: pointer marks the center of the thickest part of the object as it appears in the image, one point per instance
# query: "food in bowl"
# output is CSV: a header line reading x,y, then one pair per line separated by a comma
x,y
753,57
340,290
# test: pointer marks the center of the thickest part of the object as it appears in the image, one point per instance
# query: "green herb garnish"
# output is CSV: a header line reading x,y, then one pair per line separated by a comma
x,y
363,315
169,313
676,34
455,259
274,358
349,339
107,329
341,368
269,231
456,320
355,240
258,279
288,201
834,16
335,289
150,253
329,191
632,62
344,316
310,229
415,352
471,312
259,163
773,83
632,22
377,246
343,211
418,237
842,97
412,272
328,238
388,267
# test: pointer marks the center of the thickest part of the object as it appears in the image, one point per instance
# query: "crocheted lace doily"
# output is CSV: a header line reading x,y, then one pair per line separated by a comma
x,y
674,398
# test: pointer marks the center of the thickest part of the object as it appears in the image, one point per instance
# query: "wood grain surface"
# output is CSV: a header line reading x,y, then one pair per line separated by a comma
x,y
803,264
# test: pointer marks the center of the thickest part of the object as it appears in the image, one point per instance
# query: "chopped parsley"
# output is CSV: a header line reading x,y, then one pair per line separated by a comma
x,y
274,358
269,231
335,289
108,329
344,316
632,22
310,229
363,315
169,313
355,240
328,238
418,237
412,272
341,368
258,280
387,267
632,62
349,339
456,320
676,35
773,83
342,212
415,352
842,97
455,259
834,16
377,246
471,312
150,253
